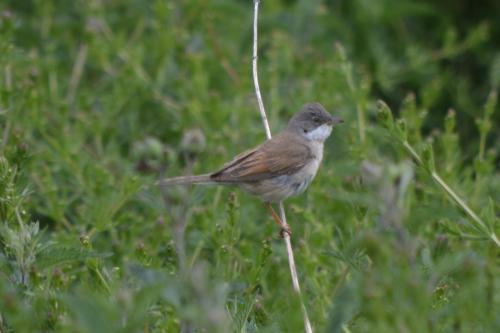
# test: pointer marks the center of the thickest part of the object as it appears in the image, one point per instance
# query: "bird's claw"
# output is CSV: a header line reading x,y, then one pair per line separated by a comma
x,y
285,229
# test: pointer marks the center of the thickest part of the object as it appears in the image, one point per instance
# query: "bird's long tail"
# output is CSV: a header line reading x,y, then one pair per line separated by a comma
x,y
186,180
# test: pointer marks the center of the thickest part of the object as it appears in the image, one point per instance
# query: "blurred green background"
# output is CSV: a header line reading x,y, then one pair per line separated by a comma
x,y
100,98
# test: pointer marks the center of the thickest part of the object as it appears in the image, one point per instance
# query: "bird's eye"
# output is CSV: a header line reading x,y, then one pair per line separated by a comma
x,y
316,120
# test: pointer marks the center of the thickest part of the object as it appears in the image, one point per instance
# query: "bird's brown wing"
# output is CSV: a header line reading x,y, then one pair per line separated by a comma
x,y
283,154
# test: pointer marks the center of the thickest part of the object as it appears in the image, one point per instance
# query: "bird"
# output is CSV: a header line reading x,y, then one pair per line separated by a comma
x,y
280,167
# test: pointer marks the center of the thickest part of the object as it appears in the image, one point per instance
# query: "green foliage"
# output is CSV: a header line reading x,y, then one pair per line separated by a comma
x,y
99,99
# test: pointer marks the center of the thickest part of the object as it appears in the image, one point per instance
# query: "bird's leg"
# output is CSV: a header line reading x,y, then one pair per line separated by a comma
x,y
277,219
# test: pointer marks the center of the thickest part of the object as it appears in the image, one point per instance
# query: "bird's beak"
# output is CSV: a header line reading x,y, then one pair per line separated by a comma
x,y
335,121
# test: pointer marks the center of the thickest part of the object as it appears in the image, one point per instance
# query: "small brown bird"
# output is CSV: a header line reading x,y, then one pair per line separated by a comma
x,y
280,167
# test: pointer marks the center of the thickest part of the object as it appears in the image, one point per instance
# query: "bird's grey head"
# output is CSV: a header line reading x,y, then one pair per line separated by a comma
x,y
313,122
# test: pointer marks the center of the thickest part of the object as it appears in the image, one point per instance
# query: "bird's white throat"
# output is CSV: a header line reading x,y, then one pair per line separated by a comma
x,y
320,133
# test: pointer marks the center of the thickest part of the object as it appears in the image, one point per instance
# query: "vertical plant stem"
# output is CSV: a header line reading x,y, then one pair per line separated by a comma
x,y
286,236
76,74
359,110
254,70
293,271
5,136
482,144
361,122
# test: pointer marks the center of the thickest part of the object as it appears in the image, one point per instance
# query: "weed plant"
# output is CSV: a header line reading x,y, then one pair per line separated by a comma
x,y
98,99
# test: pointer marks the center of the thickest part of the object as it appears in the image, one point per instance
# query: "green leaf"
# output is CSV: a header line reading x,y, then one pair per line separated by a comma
x,y
56,255
384,115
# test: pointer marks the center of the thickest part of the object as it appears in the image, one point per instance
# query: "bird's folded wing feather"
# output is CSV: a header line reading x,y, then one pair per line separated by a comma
x,y
281,155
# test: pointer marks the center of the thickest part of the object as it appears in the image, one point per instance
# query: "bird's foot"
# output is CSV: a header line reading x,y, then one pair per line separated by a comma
x,y
285,230
285,227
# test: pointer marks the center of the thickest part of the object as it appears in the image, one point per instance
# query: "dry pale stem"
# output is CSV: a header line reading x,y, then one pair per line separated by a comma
x,y
288,243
